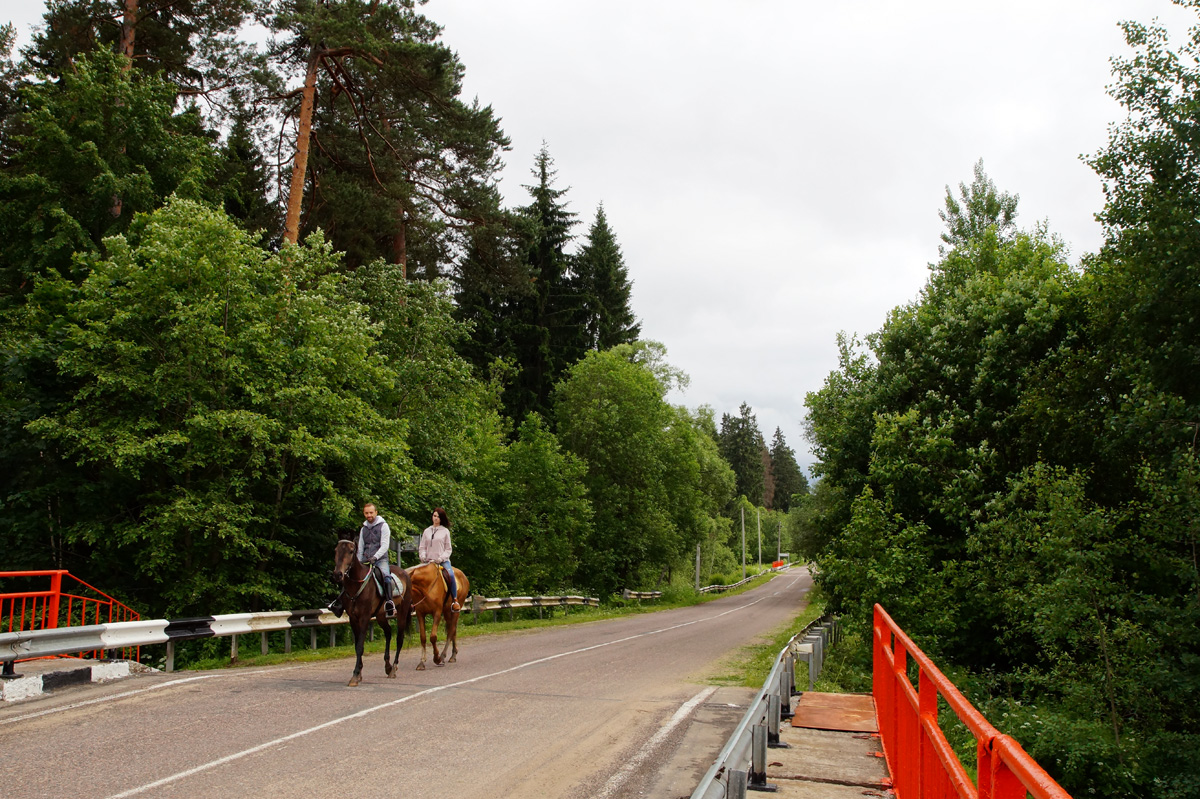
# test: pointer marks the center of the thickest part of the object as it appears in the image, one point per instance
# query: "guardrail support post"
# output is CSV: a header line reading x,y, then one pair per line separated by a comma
x,y
7,672
233,648
287,640
264,643
785,690
773,706
737,784
758,760
312,638
333,636
170,662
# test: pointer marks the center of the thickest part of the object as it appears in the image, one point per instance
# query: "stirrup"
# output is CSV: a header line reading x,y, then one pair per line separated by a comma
x,y
335,607
455,605
389,607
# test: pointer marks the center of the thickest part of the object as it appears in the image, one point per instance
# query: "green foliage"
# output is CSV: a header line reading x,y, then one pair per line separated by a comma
x,y
89,152
979,209
541,327
742,446
402,168
789,480
544,516
602,281
644,466
185,42
224,415
1010,471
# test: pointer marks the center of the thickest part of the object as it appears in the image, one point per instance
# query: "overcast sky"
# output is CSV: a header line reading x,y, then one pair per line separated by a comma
x,y
773,169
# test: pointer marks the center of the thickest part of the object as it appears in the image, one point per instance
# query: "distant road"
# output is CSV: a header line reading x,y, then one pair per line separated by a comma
x,y
575,711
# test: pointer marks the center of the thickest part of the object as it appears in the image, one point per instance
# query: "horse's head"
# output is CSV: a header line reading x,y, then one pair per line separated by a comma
x,y
344,556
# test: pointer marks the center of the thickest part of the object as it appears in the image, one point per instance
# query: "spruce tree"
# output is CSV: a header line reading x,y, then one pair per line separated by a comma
x,y
543,323
741,445
243,180
789,479
604,289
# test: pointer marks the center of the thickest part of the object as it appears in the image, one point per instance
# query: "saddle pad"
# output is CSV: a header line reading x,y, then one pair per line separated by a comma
x,y
397,586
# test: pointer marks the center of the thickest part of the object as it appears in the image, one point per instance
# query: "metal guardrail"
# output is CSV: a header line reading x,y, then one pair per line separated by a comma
x,y
742,763
627,594
480,604
23,644
709,588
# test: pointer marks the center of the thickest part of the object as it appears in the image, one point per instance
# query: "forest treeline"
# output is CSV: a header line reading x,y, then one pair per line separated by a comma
x,y
1009,464
244,290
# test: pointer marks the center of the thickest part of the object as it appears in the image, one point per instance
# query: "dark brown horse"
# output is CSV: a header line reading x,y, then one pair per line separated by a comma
x,y
431,597
363,602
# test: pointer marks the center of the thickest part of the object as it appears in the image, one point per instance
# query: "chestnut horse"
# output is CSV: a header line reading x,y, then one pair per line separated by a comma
x,y
431,596
363,602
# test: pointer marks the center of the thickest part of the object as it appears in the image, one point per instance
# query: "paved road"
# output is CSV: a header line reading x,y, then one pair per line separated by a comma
x,y
586,710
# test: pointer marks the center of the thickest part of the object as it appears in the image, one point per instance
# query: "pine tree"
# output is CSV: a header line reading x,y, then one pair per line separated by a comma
x,y
603,285
390,162
187,42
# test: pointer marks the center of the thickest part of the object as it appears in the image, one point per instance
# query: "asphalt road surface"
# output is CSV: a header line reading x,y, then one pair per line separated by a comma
x,y
585,710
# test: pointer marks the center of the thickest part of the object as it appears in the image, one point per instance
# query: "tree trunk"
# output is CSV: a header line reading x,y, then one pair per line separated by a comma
x,y
300,165
128,30
400,245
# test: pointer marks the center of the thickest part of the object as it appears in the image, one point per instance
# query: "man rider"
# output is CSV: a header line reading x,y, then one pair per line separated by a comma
x,y
374,540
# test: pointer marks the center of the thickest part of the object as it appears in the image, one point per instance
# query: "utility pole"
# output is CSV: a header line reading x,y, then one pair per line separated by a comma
x,y
697,565
758,515
779,543
743,512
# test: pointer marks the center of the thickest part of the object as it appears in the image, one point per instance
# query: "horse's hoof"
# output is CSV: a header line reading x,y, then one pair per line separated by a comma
x,y
354,681
420,667
453,659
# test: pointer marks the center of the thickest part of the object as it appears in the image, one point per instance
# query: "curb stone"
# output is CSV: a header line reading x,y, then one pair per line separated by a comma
x,y
21,688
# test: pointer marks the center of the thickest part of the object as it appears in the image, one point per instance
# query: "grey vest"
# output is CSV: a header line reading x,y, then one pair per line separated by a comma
x,y
372,537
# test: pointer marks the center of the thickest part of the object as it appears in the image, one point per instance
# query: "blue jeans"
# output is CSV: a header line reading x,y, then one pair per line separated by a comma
x,y
450,581
384,573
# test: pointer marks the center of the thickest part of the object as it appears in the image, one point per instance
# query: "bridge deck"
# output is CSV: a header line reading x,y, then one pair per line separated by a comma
x,y
833,749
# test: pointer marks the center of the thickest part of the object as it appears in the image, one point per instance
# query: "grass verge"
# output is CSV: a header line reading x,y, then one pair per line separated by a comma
x,y
752,663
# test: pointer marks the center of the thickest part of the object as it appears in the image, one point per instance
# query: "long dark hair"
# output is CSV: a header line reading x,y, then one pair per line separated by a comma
x,y
442,518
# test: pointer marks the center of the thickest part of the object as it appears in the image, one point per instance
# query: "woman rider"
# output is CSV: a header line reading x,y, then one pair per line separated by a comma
x,y
435,548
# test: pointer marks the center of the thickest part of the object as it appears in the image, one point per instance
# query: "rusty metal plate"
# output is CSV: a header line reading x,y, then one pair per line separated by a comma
x,y
844,712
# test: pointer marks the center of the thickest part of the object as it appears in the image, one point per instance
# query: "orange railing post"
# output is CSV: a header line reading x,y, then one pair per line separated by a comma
x,y
55,596
922,763
29,610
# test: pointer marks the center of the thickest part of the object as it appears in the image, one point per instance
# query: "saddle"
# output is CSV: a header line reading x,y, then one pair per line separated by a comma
x,y
397,585
441,570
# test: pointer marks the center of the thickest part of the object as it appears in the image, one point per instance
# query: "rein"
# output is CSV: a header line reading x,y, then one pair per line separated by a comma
x,y
362,586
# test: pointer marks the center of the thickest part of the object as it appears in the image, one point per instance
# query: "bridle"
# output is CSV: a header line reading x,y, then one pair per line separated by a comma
x,y
345,578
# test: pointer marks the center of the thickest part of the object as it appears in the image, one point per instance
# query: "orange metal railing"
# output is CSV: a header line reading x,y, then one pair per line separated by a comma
x,y
921,760
78,605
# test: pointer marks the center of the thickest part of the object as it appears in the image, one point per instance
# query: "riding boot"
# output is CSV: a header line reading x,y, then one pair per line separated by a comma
x,y
389,606
335,607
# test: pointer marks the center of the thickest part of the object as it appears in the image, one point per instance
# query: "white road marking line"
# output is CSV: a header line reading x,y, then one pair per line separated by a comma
x,y
368,711
137,691
617,780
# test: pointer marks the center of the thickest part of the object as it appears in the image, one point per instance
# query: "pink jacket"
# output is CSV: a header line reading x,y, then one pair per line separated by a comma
x,y
435,545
